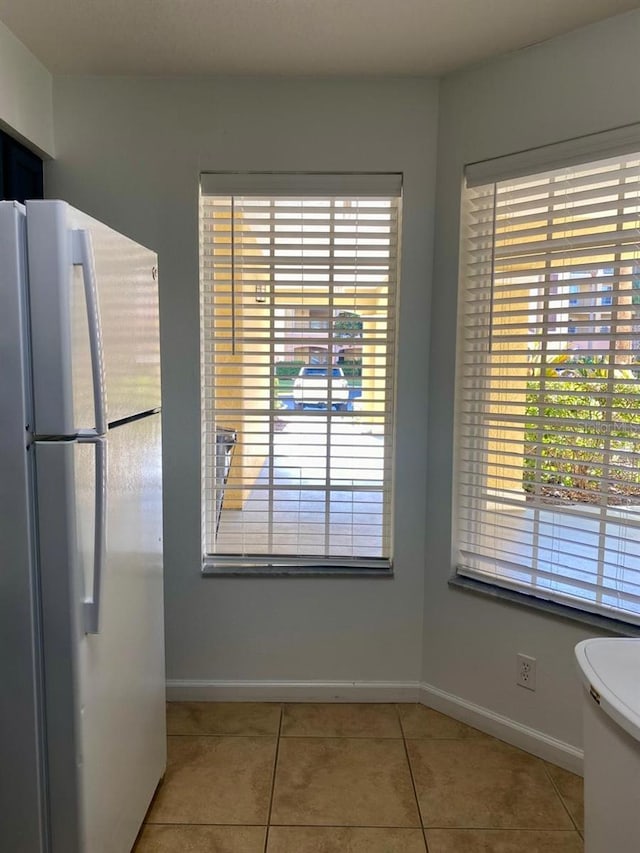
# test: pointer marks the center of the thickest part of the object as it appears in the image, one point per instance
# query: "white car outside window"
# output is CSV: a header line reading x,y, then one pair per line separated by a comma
x,y
318,385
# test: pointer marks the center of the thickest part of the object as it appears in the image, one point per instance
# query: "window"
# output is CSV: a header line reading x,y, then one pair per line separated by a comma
x,y
607,300
548,402
319,318
298,316
573,300
20,171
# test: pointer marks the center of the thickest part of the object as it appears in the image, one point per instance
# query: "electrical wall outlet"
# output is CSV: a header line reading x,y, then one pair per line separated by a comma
x,y
526,673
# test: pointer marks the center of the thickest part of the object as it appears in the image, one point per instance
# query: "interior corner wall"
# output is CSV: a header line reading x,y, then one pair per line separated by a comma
x,y
582,83
26,105
129,151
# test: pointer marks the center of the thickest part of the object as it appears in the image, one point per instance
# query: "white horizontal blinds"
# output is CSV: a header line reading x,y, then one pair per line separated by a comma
x,y
292,281
548,423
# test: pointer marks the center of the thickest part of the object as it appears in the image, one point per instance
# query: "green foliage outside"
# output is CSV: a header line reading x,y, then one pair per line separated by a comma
x,y
576,443
351,367
347,324
288,369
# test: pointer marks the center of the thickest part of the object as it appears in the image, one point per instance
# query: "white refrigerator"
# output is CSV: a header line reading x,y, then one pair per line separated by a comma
x,y
82,717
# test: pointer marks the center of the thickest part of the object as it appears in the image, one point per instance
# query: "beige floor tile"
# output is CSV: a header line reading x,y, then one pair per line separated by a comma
x,y
201,839
321,839
502,841
340,720
419,721
224,780
343,782
485,784
571,789
223,718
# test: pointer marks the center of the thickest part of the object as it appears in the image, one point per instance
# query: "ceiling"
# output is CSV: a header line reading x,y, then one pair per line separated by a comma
x,y
288,37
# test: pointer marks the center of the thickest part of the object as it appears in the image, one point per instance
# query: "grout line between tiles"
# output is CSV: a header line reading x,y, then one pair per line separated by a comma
x,y
221,734
341,737
205,823
273,780
450,828
361,826
561,798
402,732
465,738
413,781
394,826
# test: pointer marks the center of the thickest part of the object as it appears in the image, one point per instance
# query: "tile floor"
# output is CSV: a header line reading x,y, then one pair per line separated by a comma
x,y
352,778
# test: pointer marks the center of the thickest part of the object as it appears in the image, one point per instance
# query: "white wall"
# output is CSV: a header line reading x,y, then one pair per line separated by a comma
x,y
129,152
582,83
26,108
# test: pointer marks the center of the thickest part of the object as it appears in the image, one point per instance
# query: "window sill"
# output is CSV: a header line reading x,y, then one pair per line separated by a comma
x,y
592,620
288,569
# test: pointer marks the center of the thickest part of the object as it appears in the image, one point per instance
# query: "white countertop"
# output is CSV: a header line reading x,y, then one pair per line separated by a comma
x,y
610,668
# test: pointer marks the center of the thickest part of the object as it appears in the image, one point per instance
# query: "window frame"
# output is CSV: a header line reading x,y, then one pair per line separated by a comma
x,y
590,149
373,185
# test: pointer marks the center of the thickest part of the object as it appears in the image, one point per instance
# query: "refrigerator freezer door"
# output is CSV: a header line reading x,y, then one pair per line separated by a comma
x,y
110,715
126,277
22,770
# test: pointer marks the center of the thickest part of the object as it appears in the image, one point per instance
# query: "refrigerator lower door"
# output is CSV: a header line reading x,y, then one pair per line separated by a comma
x,y
105,691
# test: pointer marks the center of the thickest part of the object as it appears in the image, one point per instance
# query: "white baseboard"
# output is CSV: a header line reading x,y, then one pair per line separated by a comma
x,y
292,691
504,728
531,740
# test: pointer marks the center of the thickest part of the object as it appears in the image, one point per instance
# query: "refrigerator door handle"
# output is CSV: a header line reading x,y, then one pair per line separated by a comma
x,y
83,256
92,603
